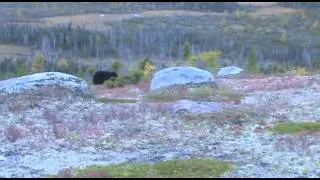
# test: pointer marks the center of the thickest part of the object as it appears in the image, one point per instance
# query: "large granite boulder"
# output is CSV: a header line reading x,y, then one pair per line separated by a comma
x,y
230,70
180,75
43,80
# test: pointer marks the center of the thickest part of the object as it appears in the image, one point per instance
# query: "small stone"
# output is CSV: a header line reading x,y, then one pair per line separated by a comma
x,y
2,158
264,164
230,70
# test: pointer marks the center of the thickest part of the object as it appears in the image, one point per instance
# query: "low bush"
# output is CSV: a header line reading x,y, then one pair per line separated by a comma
x,y
136,76
109,83
13,133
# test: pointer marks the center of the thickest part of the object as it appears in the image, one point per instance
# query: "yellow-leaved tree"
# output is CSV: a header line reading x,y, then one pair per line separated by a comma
x,y
63,65
38,63
148,70
211,58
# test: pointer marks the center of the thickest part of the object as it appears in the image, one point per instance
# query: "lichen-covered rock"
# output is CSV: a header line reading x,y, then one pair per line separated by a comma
x,y
200,107
180,75
42,80
230,70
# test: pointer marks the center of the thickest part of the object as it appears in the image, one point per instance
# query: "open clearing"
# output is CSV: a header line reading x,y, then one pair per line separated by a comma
x,y
7,50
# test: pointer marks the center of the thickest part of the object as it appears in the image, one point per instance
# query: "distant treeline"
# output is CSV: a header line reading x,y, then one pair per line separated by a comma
x,y
163,39
308,5
26,11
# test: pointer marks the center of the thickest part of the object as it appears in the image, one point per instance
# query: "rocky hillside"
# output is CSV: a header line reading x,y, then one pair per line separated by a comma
x,y
46,132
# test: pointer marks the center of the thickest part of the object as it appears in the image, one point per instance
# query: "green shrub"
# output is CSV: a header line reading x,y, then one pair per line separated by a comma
x,y
127,79
114,82
137,76
113,78
109,83
116,66
91,69
278,68
119,81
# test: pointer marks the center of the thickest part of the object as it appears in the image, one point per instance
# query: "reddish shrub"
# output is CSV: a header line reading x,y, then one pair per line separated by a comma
x,y
65,173
91,117
237,129
60,130
50,116
13,133
187,117
93,131
125,114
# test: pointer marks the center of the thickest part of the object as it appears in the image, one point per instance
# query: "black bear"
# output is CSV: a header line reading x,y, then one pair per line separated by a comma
x,y
100,76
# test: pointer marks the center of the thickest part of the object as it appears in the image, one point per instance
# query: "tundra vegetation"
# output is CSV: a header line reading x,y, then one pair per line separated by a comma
x,y
268,111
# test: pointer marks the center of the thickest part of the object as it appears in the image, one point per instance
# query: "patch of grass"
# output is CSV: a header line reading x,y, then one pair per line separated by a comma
x,y
227,94
197,93
14,50
200,92
108,100
191,168
291,127
165,94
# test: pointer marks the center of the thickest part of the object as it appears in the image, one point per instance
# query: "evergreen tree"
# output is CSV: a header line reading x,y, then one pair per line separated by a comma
x,y
63,65
252,62
186,51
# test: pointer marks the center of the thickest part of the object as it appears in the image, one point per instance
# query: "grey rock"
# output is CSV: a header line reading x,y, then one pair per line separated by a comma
x,y
180,75
230,70
45,79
